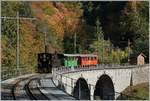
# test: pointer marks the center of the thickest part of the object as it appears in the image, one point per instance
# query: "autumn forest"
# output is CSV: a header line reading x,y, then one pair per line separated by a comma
x,y
115,30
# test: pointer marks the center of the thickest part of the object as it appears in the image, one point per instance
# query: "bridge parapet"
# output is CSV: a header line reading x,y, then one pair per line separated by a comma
x,y
122,77
64,70
12,72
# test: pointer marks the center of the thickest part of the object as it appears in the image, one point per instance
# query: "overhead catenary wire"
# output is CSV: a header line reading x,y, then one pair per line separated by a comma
x,y
17,18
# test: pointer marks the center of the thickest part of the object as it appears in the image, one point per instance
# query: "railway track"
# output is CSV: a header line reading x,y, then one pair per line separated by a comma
x,y
26,89
35,87
18,91
13,89
33,91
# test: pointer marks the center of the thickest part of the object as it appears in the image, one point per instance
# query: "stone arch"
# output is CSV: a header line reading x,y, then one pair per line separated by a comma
x,y
104,88
81,90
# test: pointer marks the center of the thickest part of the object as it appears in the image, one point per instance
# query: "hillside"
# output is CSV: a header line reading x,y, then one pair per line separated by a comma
x,y
102,28
54,14
137,92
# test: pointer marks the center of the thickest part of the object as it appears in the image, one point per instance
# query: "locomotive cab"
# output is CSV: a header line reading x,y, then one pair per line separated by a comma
x,y
44,63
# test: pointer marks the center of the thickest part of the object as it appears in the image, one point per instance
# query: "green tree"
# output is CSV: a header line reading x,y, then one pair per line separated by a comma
x,y
134,25
99,32
9,29
142,46
98,45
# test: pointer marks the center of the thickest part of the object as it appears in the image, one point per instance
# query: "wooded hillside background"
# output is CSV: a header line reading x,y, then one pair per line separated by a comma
x,y
104,28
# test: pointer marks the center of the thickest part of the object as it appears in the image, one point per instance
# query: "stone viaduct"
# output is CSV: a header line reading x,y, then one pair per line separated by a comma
x,y
102,82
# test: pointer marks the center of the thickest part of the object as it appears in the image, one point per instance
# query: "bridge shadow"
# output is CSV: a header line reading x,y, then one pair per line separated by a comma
x,y
104,89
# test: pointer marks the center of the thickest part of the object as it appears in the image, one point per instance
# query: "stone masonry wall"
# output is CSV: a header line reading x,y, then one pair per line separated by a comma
x,y
140,74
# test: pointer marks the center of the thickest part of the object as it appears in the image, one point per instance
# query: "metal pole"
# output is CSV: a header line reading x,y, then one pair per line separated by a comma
x,y
129,50
45,43
18,41
103,51
18,36
75,42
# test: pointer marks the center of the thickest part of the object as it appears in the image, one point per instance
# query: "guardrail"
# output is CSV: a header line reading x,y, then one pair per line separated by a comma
x,y
67,82
11,72
98,67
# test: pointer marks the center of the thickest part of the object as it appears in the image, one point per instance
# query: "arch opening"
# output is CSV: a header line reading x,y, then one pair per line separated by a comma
x,y
81,90
104,88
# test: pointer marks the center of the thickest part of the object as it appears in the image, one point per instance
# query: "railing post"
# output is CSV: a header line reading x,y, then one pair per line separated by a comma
x,y
72,84
90,91
60,81
66,82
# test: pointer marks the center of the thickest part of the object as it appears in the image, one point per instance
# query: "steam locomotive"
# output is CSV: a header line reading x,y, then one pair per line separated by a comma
x,y
47,61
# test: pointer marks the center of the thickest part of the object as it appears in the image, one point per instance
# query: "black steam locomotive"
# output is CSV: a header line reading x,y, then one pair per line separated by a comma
x,y
47,61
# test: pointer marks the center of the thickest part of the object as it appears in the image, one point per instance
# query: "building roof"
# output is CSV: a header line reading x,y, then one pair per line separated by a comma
x,y
80,55
143,54
136,55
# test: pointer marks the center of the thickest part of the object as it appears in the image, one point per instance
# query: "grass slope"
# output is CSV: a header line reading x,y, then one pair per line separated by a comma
x,y
137,92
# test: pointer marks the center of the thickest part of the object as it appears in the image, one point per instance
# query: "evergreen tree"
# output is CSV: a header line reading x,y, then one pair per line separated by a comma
x,y
135,26
99,32
99,44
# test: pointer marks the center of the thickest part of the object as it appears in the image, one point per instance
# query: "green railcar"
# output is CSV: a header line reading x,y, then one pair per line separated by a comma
x,y
70,60
65,63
